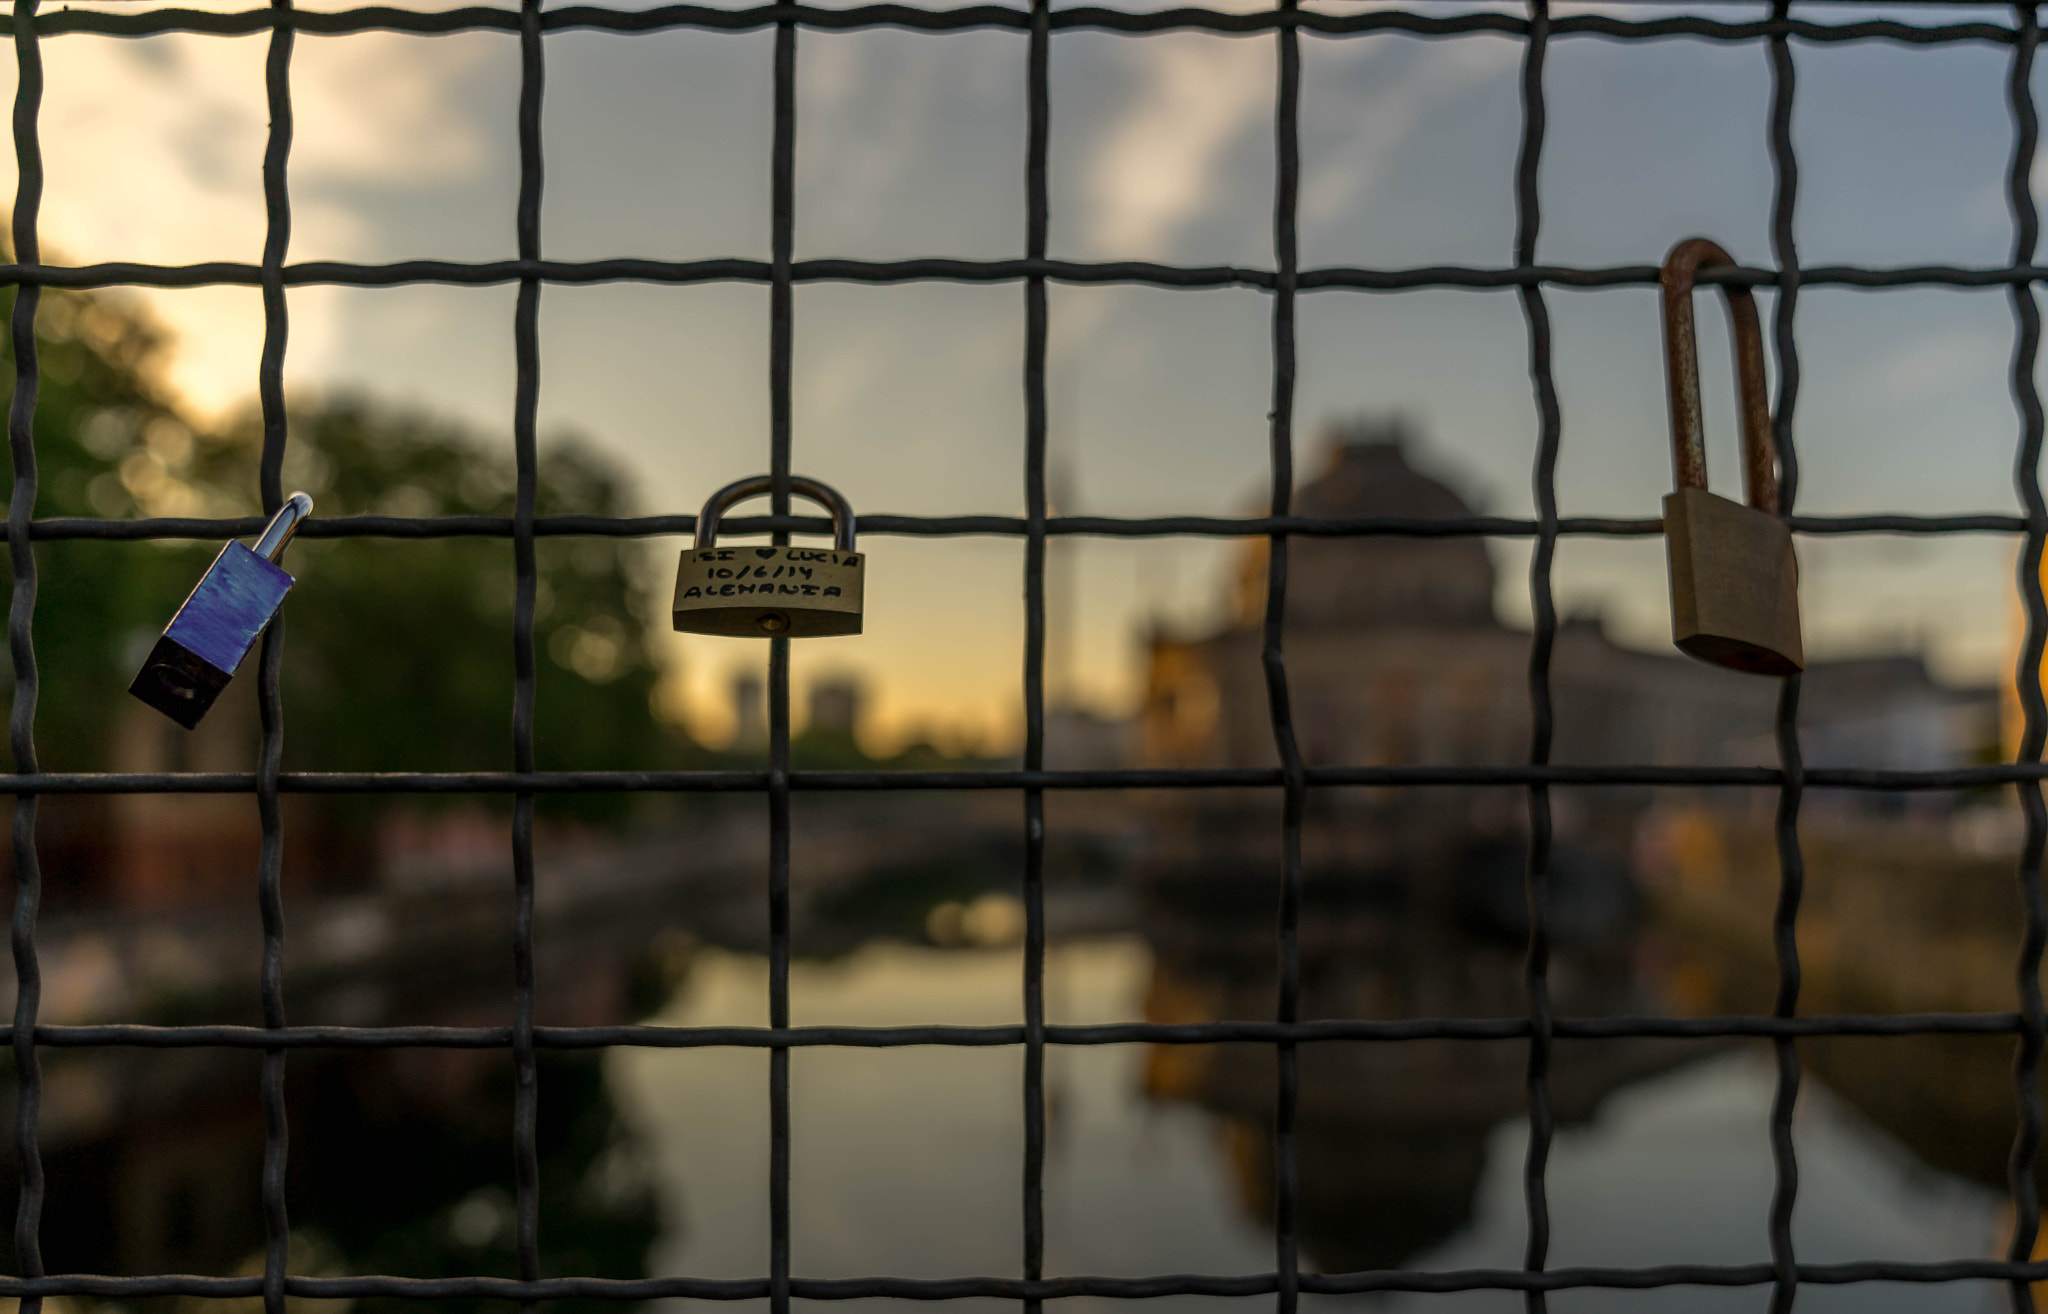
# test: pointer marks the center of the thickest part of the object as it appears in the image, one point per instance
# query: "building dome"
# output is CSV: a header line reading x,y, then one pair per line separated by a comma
x,y
1376,580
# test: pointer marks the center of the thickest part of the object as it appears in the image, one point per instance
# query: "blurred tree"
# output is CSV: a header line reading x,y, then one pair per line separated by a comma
x,y
400,655
400,651
105,433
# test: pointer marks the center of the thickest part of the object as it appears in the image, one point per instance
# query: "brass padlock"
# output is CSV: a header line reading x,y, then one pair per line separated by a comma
x,y
1734,577
772,592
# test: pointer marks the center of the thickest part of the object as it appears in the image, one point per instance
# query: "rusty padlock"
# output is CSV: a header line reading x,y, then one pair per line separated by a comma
x,y
228,611
1734,578
770,592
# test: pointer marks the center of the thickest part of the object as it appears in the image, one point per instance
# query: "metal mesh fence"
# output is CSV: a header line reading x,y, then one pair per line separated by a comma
x,y
1035,25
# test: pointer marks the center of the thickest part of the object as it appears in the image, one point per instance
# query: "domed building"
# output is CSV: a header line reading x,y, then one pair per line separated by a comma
x,y
1413,899
1354,582
1395,654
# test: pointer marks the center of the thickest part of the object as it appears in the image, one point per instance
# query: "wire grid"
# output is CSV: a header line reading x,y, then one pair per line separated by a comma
x,y
1539,1027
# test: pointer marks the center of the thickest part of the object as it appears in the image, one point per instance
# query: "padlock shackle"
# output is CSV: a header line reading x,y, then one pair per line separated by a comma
x,y
824,495
1682,374
282,526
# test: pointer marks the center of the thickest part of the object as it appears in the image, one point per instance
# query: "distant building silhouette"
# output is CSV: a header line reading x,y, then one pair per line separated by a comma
x,y
1395,656
1081,739
835,706
749,713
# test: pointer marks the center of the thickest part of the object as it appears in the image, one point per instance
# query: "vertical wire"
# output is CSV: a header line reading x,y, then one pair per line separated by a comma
x,y
1791,862
2027,477
1542,640
1039,104
21,509
525,447
1286,194
269,701
781,328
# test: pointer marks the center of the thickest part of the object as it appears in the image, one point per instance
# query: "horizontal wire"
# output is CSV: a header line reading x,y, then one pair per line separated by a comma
x,y
633,1036
624,269
962,1288
596,18
910,526
743,781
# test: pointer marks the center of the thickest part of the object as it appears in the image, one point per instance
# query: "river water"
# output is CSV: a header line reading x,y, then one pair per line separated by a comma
x,y
906,1162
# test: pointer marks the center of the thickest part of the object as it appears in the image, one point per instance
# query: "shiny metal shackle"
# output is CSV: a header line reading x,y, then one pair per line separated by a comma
x,y
1682,375
739,490
270,546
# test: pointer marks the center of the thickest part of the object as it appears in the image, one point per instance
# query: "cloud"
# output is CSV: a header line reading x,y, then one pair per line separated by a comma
x,y
868,126
1939,362
1158,165
1166,163
153,153
375,92
1384,111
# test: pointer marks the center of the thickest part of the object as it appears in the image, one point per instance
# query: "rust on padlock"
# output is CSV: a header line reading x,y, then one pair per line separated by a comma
x,y
770,592
1734,575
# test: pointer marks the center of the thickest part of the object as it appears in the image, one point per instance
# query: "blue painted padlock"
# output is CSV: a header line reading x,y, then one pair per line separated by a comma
x,y
220,622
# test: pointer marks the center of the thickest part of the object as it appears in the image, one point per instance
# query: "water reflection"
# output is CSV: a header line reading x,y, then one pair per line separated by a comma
x,y
907,1161
1391,1136
1676,1169
399,1163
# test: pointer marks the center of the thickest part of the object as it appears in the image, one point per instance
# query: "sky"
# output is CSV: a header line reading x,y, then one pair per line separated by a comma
x,y
909,398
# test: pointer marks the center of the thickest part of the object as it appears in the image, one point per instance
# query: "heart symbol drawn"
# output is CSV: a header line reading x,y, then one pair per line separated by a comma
x,y
764,553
